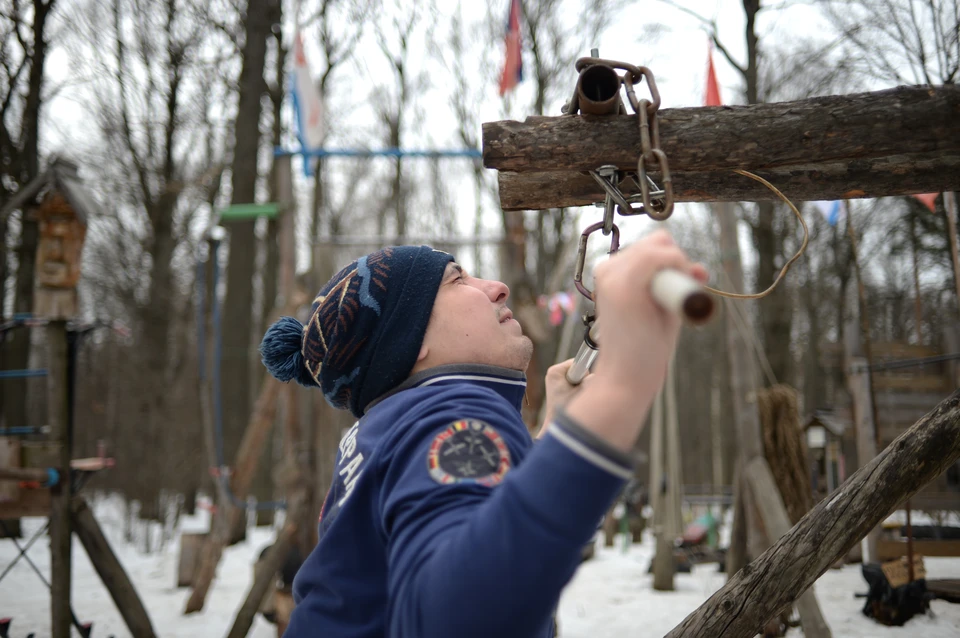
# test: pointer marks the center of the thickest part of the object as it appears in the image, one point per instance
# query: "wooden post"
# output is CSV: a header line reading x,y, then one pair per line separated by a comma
x,y
917,301
858,384
58,420
656,478
669,522
786,570
110,570
763,489
950,210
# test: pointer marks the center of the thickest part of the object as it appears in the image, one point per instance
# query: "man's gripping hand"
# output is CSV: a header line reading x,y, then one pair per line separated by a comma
x,y
637,339
559,391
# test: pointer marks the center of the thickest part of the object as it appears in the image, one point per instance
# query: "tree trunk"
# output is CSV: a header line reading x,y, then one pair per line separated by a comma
x,y
829,530
238,305
17,347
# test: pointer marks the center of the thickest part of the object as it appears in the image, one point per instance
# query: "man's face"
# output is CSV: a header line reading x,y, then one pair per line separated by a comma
x,y
471,323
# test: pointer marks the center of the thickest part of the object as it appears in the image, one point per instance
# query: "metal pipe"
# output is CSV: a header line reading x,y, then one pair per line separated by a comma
x,y
675,292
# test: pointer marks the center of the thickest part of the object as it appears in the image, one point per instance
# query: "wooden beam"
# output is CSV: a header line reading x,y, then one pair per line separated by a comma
x,y
893,142
778,577
904,174
891,122
111,572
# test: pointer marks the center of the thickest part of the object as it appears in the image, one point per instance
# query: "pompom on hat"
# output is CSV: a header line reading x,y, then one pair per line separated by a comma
x,y
365,329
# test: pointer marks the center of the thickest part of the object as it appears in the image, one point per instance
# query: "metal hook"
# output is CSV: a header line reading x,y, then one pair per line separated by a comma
x,y
582,255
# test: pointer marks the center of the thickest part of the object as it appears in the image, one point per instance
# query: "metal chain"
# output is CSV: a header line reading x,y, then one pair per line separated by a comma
x,y
654,201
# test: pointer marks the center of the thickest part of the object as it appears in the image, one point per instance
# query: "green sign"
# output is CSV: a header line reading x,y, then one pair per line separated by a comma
x,y
237,212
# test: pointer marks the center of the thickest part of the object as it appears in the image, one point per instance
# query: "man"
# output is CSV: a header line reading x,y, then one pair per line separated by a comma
x,y
445,519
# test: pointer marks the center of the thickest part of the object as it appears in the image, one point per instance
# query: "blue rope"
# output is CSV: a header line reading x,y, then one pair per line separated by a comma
x,y
22,374
471,153
21,430
215,379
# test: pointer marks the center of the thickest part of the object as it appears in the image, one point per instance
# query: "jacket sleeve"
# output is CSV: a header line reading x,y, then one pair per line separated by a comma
x,y
470,560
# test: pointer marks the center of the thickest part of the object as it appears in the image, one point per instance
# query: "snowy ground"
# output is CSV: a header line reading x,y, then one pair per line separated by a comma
x,y
610,596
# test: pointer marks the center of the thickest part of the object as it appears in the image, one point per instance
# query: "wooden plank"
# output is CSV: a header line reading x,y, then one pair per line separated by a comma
x,y
903,174
777,577
913,383
889,549
110,570
30,503
9,457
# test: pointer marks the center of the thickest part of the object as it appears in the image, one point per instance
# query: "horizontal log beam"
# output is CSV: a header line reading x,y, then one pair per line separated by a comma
x,y
782,573
870,177
893,142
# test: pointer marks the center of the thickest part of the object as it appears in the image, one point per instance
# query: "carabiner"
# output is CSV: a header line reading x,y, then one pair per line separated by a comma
x,y
582,255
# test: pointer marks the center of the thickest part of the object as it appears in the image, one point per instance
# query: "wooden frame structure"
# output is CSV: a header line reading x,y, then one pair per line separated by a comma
x,y
61,205
896,142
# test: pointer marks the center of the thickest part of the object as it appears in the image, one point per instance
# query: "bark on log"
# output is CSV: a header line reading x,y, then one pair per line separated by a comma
x,y
898,141
830,529
111,572
901,174
915,119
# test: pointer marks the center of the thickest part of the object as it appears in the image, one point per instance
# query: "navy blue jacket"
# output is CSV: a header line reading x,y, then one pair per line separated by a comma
x,y
445,520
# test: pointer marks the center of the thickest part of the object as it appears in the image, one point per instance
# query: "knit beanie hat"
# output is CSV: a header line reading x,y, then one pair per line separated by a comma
x,y
365,330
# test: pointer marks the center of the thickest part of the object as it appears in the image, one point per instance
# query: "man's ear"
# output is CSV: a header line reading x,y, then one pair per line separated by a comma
x,y
424,351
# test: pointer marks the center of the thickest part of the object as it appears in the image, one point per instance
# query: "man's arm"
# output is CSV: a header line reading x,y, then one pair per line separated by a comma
x,y
469,560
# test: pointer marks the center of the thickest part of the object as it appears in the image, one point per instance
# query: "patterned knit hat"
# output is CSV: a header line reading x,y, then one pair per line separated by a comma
x,y
365,329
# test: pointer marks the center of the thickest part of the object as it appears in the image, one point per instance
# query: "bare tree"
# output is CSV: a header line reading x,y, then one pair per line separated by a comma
x,y
258,20
904,41
157,162
23,51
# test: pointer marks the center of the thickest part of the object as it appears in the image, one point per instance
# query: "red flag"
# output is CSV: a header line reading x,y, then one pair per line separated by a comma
x,y
713,89
513,64
929,200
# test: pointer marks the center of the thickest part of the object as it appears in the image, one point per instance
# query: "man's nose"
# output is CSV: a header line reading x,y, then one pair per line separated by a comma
x,y
496,291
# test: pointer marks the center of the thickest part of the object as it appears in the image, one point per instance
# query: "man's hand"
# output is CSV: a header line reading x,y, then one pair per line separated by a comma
x,y
637,339
559,391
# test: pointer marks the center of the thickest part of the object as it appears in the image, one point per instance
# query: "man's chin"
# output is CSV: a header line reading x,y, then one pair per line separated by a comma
x,y
525,352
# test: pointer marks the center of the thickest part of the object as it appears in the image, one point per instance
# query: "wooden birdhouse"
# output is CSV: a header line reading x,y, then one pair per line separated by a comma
x,y
61,205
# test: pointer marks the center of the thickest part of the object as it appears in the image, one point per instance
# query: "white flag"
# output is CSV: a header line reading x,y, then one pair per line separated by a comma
x,y
306,99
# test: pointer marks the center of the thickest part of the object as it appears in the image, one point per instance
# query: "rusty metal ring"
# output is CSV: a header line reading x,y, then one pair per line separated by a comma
x,y
630,78
658,213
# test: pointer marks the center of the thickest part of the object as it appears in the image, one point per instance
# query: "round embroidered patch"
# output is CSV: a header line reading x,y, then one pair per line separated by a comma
x,y
468,451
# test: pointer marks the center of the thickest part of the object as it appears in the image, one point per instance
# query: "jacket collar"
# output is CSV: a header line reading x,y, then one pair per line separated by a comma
x,y
510,384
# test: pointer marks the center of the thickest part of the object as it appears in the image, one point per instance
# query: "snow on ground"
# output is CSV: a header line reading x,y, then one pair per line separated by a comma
x,y
611,595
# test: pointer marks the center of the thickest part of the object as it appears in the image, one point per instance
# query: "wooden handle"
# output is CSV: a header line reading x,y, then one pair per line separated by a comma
x,y
683,295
